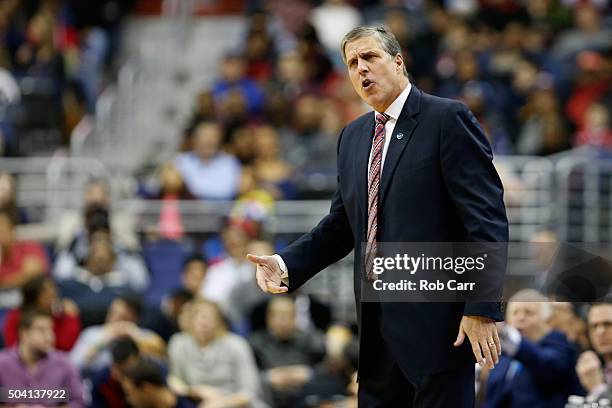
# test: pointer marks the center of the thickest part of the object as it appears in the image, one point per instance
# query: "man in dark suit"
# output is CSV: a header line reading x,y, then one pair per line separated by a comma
x,y
418,169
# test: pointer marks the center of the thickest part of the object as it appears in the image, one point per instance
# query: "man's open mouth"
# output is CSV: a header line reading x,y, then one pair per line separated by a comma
x,y
367,84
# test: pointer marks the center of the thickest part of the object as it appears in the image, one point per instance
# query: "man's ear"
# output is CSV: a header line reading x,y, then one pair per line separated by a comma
x,y
399,61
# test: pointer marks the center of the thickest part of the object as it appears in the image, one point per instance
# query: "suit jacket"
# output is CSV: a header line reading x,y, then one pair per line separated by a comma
x,y
438,185
541,375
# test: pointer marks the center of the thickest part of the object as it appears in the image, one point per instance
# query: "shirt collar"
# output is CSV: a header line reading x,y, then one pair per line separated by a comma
x,y
395,109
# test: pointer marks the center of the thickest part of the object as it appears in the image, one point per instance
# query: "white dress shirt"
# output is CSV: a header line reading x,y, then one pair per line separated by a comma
x,y
394,110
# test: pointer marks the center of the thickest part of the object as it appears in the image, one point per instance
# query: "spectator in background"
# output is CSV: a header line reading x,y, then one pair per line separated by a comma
x,y
208,172
258,53
537,364
194,272
596,131
74,227
285,354
210,362
273,173
145,387
588,33
106,384
291,79
172,188
246,294
34,364
224,275
21,260
565,320
165,320
103,275
40,293
592,81
233,78
594,376
543,131
92,353
38,57
241,145
8,198
332,376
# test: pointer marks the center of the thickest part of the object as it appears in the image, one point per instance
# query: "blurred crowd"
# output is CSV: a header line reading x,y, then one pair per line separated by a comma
x,y
170,318
536,74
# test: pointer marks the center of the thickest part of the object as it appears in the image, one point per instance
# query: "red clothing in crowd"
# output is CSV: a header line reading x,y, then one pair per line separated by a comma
x,y
65,326
11,262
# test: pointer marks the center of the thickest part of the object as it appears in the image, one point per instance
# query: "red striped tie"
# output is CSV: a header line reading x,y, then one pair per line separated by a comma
x,y
373,188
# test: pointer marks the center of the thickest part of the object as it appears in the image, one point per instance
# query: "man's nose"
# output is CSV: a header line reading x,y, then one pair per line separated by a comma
x,y
362,67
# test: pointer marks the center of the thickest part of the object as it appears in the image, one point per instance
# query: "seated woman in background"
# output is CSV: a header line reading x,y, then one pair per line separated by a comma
x,y
271,171
40,293
208,361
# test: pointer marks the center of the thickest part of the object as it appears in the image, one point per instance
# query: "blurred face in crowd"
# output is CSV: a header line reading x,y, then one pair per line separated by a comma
x,y
206,141
40,30
7,231
267,146
377,77
280,318
291,67
38,339
205,322
307,113
528,317
235,240
101,257
97,194
600,328
47,296
120,311
586,18
232,69
170,178
597,117
193,275
7,189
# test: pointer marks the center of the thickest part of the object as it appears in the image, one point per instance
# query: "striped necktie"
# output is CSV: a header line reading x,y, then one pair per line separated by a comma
x,y
373,191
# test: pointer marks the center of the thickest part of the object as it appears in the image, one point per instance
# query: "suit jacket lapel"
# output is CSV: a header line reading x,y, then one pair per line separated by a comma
x,y
402,133
361,165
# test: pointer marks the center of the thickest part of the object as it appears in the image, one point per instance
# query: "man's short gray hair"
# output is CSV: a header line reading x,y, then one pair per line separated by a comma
x,y
534,296
385,38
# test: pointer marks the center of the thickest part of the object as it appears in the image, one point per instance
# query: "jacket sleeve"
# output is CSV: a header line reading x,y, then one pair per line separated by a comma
x,y
477,193
551,362
328,242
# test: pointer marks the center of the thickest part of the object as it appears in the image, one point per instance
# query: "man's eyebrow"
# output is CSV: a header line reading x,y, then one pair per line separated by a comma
x,y
362,54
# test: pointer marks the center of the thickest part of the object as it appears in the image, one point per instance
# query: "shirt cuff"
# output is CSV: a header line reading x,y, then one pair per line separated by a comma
x,y
283,268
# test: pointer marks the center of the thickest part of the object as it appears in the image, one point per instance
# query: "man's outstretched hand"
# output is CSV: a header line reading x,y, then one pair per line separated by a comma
x,y
268,274
482,333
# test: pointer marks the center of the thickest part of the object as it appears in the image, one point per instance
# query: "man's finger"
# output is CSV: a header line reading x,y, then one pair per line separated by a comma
x,y
478,354
460,338
257,260
497,342
493,349
273,288
261,282
487,352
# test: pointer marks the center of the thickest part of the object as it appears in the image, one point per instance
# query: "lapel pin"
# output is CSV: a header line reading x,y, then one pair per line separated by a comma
x,y
399,136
